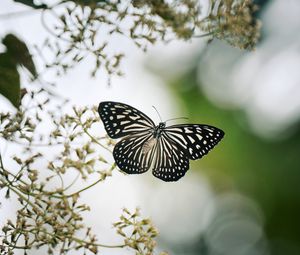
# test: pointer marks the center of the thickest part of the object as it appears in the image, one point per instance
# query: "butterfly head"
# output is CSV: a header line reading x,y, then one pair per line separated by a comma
x,y
158,129
162,125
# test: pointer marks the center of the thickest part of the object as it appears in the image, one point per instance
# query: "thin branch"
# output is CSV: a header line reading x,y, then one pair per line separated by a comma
x,y
204,35
93,184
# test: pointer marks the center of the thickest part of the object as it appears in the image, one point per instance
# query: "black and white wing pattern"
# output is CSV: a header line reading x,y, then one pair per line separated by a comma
x,y
195,140
132,155
171,161
167,150
121,119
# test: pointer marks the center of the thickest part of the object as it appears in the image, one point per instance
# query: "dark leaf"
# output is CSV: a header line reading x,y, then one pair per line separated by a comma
x,y
19,53
32,4
88,2
9,79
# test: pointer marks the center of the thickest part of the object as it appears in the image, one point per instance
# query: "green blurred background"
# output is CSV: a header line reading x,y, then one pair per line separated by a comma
x,y
266,170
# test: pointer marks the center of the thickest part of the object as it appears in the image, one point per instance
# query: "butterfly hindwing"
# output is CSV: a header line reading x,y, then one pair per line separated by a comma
x,y
171,161
130,154
121,119
197,140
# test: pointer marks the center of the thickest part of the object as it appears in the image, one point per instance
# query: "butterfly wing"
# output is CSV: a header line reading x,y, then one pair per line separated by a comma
x,y
171,161
134,153
121,119
195,139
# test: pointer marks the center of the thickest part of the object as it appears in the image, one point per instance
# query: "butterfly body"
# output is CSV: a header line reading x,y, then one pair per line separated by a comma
x,y
165,149
158,130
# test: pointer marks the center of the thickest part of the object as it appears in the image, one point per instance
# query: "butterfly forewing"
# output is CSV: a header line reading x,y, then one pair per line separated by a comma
x,y
121,119
195,139
170,161
130,154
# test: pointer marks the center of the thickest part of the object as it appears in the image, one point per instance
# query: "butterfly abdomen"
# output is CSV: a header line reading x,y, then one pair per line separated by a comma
x,y
148,145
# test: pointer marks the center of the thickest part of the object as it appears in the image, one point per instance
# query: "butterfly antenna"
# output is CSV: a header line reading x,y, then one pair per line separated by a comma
x,y
157,113
177,118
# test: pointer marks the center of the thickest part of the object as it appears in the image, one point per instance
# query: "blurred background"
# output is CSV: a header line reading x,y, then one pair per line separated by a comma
x,y
244,197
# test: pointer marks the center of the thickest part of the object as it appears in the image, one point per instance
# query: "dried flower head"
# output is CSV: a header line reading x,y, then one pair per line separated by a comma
x,y
234,22
138,233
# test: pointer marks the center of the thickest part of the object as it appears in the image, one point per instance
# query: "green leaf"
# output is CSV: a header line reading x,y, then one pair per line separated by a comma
x,y
32,4
9,79
19,53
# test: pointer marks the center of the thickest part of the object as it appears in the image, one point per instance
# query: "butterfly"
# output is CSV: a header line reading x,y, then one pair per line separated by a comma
x,y
165,149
